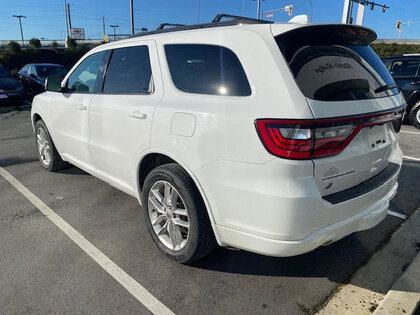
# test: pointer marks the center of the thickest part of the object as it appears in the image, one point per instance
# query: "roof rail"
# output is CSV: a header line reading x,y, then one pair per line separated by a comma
x,y
162,26
219,17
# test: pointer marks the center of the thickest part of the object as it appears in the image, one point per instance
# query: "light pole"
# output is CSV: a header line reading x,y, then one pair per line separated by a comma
x,y
20,23
114,26
132,17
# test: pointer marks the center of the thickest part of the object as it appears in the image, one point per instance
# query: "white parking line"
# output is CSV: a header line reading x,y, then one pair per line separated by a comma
x,y
410,158
413,132
131,285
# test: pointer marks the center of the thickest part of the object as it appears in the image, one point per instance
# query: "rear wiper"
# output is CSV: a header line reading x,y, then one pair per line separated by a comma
x,y
385,88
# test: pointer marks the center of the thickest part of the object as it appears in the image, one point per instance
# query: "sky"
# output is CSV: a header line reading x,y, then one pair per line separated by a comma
x,y
46,18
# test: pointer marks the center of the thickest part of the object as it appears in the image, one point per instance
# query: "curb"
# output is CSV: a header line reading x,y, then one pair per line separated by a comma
x,y
404,295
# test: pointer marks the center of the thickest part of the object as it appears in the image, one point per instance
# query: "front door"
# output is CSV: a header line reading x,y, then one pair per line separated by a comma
x,y
71,107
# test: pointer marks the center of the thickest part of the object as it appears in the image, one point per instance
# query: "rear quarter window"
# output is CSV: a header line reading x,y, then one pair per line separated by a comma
x,y
405,68
206,69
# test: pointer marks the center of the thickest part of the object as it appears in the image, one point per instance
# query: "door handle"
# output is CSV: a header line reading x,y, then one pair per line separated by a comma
x,y
415,83
138,115
81,107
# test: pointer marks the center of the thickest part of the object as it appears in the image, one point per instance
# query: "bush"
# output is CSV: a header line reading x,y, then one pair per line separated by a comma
x,y
13,47
385,50
35,43
71,43
54,44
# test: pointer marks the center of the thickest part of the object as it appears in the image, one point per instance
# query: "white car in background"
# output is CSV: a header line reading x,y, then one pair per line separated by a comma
x,y
272,138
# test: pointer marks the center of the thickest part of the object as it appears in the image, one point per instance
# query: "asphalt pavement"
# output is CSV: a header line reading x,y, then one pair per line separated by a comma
x,y
42,270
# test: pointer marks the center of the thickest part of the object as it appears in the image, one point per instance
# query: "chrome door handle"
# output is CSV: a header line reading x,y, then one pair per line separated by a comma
x,y
81,107
415,83
138,115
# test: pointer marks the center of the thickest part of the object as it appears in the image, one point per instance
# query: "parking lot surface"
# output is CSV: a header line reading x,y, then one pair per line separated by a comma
x,y
43,271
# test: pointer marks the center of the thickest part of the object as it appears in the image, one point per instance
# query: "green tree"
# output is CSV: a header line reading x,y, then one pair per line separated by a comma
x,y
71,43
35,43
54,44
13,47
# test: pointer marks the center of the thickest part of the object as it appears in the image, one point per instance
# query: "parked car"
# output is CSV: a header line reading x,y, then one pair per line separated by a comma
x,y
405,70
33,75
11,91
271,138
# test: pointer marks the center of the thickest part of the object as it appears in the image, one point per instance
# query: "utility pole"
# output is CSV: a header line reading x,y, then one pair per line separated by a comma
x,y
258,9
198,12
132,17
67,21
103,24
68,12
114,26
20,23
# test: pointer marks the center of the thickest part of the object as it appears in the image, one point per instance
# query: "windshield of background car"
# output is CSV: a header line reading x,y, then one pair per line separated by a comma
x,y
46,71
328,66
4,73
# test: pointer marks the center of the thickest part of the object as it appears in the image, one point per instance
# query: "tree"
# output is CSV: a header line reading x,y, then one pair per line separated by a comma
x,y
54,44
35,43
13,47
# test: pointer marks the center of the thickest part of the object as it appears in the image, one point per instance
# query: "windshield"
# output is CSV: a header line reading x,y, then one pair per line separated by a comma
x,y
46,71
335,70
4,73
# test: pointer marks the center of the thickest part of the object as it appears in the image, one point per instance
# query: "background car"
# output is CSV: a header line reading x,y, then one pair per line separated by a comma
x,y
405,70
33,75
11,90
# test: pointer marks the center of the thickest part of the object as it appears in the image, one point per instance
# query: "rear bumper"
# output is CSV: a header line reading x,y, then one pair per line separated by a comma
x,y
276,208
326,235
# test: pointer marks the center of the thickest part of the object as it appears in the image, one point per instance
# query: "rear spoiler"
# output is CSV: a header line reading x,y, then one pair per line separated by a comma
x,y
331,34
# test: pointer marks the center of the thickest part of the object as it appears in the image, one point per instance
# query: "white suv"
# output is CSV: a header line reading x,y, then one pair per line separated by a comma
x,y
272,138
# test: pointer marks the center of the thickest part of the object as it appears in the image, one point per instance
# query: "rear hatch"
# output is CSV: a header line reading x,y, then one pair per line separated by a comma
x,y
355,104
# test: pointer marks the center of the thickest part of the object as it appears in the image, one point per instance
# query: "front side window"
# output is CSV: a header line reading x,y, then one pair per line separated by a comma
x,y
85,77
405,68
206,69
129,71
329,67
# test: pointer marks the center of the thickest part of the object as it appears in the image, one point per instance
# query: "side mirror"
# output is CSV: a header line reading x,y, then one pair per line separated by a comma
x,y
53,83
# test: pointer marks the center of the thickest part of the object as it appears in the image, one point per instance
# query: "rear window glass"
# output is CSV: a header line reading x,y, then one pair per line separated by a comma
x,y
129,71
206,69
405,68
334,70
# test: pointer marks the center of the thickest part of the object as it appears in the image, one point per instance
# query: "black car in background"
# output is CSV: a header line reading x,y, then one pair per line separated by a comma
x,y
11,90
33,75
405,70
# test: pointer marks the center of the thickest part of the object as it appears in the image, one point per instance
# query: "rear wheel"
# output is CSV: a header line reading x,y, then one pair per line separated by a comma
x,y
415,115
48,156
175,214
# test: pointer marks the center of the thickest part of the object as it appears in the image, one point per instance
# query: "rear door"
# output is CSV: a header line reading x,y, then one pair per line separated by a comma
x,y
344,81
120,117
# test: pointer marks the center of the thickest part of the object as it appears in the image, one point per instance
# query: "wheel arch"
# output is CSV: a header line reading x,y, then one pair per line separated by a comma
x,y
147,163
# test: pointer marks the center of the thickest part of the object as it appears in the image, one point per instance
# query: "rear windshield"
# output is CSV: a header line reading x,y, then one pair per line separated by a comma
x,y
333,68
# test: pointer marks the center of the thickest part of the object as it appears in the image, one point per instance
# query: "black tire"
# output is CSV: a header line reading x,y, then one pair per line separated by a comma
x,y
56,163
414,115
201,240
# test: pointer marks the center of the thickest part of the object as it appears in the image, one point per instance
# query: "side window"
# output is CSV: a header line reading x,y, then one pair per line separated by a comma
x,y
405,68
31,70
206,69
88,76
129,71
25,69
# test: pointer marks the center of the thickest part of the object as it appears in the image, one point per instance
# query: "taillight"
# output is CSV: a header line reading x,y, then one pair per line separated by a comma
x,y
309,139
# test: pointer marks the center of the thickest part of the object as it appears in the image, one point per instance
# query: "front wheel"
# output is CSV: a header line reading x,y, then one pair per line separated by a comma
x,y
48,156
415,115
175,214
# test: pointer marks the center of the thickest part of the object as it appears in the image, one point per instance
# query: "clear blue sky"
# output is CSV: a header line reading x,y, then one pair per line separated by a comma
x,y
45,18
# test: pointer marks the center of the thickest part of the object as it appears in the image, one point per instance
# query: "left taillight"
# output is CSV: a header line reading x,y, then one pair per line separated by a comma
x,y
309,139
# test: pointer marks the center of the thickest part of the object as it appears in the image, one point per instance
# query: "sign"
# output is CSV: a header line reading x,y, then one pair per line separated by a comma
x,y
270,15
77,33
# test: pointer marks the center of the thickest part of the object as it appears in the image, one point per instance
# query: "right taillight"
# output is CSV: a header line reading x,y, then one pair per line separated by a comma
x,y
315,138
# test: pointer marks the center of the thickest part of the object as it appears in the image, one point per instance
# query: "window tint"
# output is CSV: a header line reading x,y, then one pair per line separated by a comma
x,y
405,68
85,76
329,68
206,69
129,71
46,71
